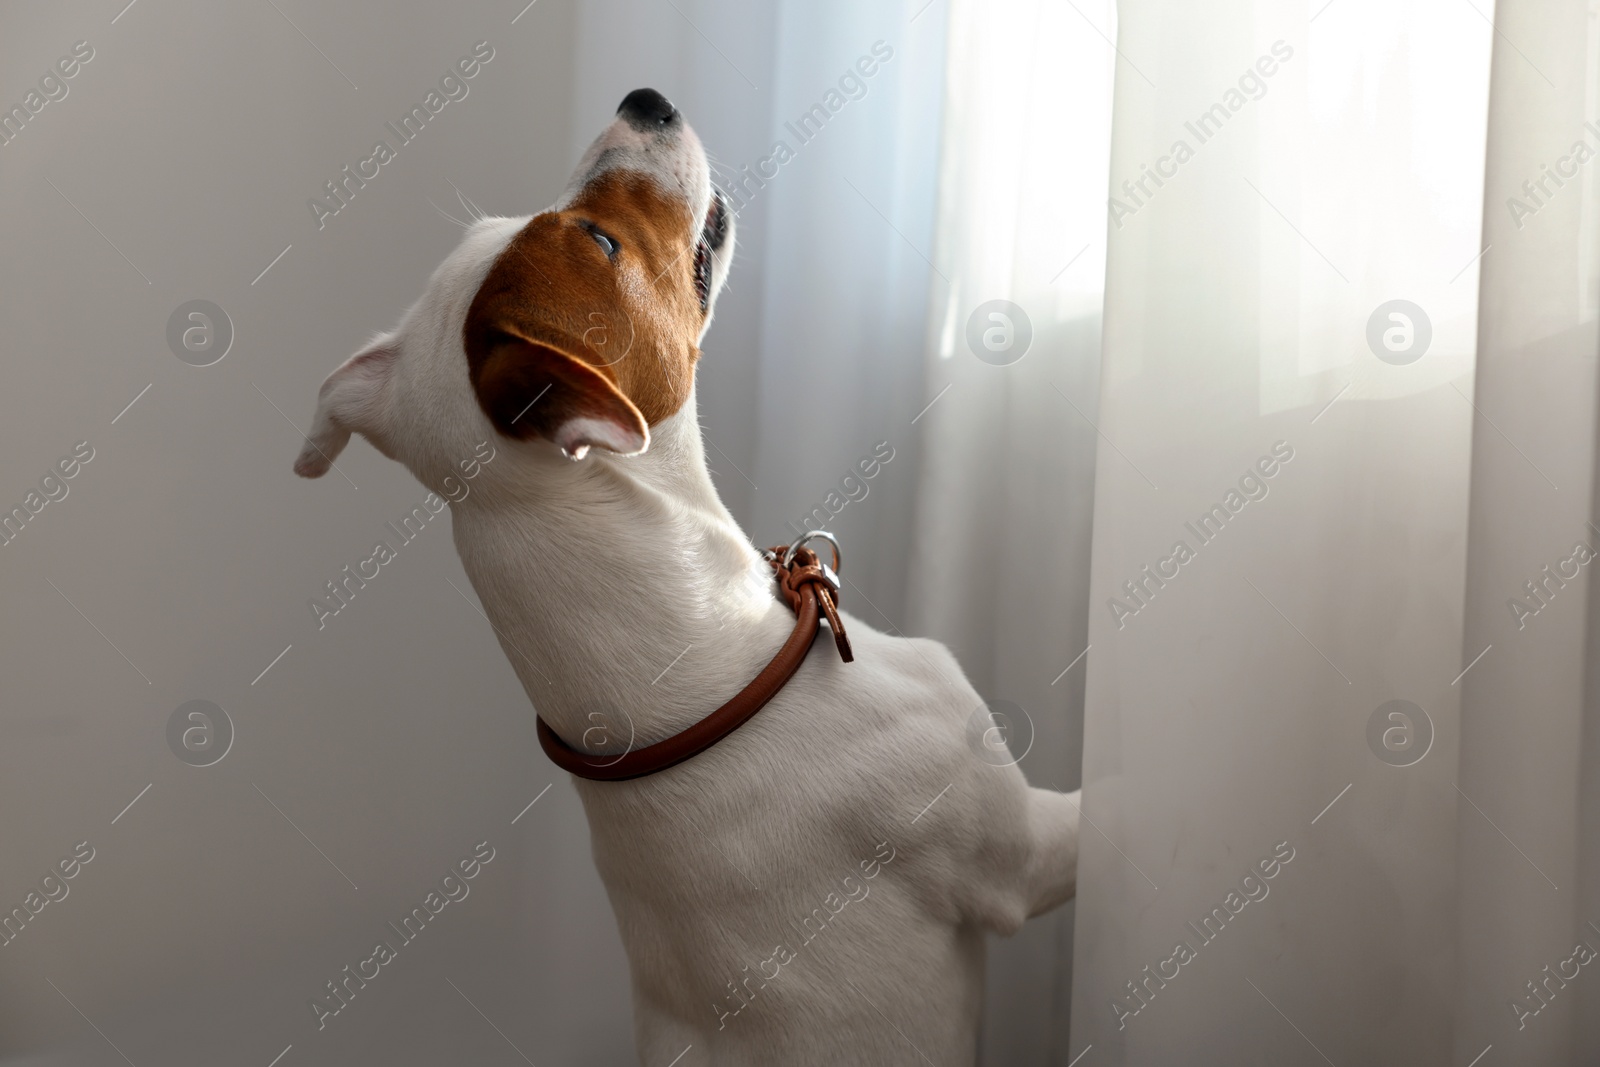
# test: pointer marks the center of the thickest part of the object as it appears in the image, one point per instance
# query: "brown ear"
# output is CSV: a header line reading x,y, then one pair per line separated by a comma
x,y
529,389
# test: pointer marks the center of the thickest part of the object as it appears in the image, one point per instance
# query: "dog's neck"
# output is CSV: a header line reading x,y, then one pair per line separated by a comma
x,y
622,591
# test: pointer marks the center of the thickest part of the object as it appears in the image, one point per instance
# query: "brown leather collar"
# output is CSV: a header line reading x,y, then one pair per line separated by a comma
x,y
812,590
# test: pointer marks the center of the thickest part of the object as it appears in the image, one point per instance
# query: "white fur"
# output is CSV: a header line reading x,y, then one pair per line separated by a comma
x,y
630,605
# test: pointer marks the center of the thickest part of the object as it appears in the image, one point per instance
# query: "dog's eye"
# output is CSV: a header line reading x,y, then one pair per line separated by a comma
x,y
607,245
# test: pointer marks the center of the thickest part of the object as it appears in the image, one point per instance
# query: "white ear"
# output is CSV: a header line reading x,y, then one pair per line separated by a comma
x,y
354,398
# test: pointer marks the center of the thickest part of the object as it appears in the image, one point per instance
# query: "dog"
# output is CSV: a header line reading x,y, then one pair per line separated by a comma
x,y
816,887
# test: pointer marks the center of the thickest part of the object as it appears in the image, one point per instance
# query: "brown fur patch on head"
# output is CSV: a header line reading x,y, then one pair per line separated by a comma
x,y
633,318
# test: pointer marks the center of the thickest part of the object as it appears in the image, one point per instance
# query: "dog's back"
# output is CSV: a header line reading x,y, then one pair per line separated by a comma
x,y
816,888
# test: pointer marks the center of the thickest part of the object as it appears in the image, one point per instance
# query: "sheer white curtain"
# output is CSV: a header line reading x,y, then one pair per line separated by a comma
x,y
1006,477
1530,714
1346,790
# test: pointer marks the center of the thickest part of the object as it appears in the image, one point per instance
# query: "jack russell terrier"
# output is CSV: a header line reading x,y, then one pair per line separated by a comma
x,y
815,888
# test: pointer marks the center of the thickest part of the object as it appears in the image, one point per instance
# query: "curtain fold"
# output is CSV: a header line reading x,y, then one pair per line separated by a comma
x,y
1528,873
1281,591
1005,475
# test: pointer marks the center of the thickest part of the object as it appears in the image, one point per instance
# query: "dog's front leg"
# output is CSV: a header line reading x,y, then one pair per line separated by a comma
x,y
1053,870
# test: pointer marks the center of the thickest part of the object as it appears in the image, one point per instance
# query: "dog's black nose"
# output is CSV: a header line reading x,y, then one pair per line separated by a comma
x,y
647,109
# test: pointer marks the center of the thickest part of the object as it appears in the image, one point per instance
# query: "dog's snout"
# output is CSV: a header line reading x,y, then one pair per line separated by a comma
x,y
646,109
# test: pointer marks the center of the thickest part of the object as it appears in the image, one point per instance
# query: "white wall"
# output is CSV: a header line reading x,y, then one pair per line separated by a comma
x,y
395,738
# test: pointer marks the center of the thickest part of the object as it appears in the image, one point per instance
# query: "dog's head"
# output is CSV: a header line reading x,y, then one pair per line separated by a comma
x,y
577,328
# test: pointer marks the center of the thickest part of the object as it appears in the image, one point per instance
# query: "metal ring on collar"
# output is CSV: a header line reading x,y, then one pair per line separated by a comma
x,y
812,535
